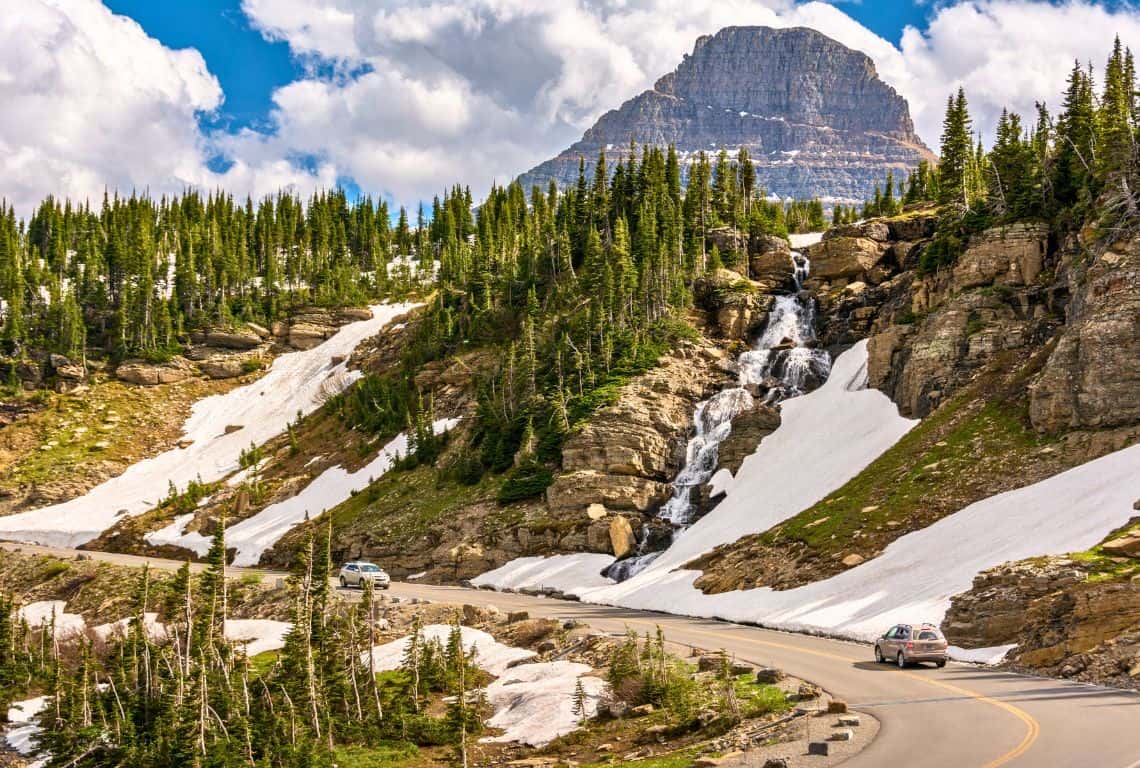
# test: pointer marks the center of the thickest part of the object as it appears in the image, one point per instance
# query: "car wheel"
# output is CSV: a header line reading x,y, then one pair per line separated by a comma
x,y
942,664
343,583
901,660
879,655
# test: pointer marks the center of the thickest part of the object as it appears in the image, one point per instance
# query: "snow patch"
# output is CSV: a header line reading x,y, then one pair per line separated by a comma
x,y
534,703
252,536
805,239
155,629
297,381
169,534
40,615
988,656
257,635
490,655
22,729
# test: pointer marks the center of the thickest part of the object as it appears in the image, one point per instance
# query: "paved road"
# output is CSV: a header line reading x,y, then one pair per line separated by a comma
x,y
958,717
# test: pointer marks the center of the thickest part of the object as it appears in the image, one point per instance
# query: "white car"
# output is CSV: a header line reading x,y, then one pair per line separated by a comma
x,y
355,574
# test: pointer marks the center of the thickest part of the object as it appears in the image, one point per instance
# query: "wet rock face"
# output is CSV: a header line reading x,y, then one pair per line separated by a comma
x,y
1092,377
748,429
625,456
813,114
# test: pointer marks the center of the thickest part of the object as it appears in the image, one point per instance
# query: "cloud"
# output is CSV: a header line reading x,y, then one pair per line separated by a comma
x,y
90,102
1006,53
409,96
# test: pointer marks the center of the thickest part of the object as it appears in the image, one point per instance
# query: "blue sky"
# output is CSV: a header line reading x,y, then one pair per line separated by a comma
x,y
248,66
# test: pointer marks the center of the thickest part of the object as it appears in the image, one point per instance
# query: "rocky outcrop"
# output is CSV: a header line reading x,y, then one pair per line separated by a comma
x,y
735,306
1013,256
919,368
624,457
152,374
993,612
813,114
229,338
930,335
748,429
845,257
1092,377
1067,616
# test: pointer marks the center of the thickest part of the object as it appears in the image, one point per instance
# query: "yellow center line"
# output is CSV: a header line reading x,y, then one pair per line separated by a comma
x,y
1032,727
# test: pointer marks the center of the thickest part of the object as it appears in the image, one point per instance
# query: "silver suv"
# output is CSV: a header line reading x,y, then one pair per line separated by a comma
x,y
355,574
906,644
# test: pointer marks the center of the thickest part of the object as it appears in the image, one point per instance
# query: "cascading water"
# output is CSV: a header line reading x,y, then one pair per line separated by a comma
x,y
785,361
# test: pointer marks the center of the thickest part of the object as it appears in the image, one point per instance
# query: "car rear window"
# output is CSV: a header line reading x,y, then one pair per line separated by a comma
x,y
928,634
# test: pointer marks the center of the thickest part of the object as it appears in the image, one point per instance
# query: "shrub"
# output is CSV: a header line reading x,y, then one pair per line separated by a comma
x,y
526,481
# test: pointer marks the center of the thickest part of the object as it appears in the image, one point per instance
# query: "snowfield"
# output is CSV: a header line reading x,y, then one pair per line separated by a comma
x,y
297,381
252,536
826,438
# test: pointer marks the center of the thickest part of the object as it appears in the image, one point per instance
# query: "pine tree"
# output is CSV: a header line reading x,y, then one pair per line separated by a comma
x,y
956,151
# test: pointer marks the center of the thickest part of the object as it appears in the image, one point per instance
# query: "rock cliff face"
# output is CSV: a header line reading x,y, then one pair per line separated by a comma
x,y
813,114
1092,378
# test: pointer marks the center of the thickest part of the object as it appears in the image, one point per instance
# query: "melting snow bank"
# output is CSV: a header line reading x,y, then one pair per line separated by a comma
x,y
534,703
490,655
559,573
825,439
22,729
297,381
252,536
989,656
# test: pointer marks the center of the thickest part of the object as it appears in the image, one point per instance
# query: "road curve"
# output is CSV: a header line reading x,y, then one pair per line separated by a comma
x,y
962,716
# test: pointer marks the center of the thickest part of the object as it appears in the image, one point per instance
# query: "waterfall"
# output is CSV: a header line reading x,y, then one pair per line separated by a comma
x,y
785,361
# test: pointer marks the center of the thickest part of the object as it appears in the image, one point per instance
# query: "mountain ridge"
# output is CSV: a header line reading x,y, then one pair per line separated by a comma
x,y
814,115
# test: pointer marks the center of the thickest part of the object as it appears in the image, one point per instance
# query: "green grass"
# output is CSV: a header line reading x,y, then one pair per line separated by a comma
x,y
260,664
392,754
1103,566
757,700
407,504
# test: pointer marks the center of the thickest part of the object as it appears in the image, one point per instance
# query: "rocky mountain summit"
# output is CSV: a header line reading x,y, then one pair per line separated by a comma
x,y
813,114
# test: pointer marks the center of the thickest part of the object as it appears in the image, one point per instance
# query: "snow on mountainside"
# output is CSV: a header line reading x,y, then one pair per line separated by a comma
x,y
826,438
298,381
252,536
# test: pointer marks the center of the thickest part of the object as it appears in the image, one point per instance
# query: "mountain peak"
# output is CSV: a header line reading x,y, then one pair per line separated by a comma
x,y
813,113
